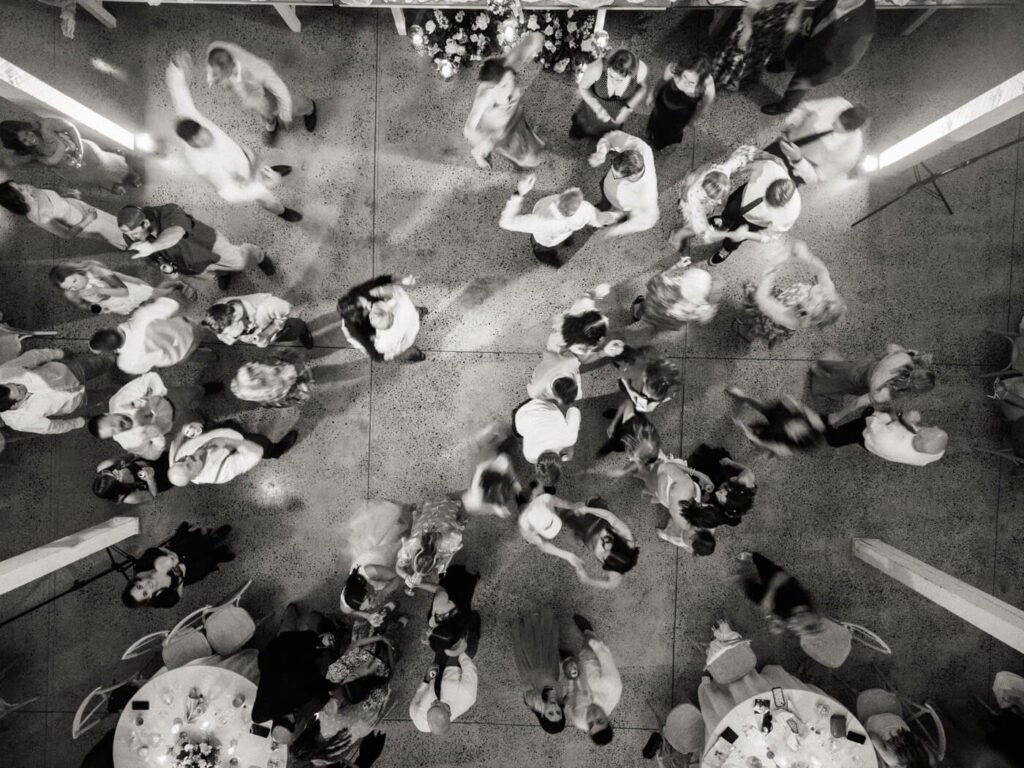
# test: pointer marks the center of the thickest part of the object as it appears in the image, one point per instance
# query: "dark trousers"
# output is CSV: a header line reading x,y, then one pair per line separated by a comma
x,y
552,255
850,433
292,330
472,644
788,596
88,367
732,219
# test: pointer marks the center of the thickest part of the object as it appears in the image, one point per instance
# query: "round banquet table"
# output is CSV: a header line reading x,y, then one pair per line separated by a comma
x,y
147,738
817,748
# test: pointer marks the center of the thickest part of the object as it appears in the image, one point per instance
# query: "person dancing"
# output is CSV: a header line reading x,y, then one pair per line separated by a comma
x,y
215,157
497,121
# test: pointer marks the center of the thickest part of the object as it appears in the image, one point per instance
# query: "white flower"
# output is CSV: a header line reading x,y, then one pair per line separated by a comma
x,y
560,66
531,23
460,15
430,26
549,30
571,26
482,20
549,45
451,47
568,14
572,43
587,45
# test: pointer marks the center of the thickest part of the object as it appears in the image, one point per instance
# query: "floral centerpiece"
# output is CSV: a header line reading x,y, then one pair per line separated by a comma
x,y
197,752
454,39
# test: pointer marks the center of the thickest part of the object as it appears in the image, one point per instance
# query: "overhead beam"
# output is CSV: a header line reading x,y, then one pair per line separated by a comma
x,y
101,14
989,614
287,12
22,569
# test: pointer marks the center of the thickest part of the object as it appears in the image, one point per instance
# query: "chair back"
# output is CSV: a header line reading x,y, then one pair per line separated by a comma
x,y
228,628
926,721
733,663
236,598
876,701
185,648
867,638
145,644
87,717
684,730
831,646
6,707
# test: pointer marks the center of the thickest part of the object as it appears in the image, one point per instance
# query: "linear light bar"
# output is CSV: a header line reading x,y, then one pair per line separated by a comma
x,y
994,106
17,78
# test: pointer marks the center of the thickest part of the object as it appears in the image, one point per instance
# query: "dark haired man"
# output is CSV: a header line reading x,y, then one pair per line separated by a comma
x,y
821,140
631,185
593,685
179,244
39,387
763,209
214,156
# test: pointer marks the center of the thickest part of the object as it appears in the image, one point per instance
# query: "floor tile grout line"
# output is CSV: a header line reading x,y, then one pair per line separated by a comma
x,y
462,721
1009,308
373,243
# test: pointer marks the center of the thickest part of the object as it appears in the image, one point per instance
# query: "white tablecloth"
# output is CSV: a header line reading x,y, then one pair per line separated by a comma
x,y
817,748
148,738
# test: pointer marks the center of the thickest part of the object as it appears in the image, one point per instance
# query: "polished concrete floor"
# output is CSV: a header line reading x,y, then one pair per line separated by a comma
x,y
387,186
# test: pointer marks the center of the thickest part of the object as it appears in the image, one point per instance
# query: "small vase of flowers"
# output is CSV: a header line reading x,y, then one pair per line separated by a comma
x,y
197,752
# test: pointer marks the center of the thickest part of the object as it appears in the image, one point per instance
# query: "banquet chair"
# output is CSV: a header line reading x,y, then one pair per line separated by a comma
x,y
923,718
228,626
178,646
86,716
732,663
680,742
832,646
1016,364
6,707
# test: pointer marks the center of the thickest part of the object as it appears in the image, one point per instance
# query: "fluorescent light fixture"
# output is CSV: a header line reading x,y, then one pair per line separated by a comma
x,y
869,163
996,105
17,78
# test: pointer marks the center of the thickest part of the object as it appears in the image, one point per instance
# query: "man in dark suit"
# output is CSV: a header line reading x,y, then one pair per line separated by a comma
x,y
833,41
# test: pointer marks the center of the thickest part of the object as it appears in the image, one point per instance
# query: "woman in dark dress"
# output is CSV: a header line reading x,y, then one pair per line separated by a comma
x,y
610,91
190,555
131,480
685,94
785,603
789,426
735,485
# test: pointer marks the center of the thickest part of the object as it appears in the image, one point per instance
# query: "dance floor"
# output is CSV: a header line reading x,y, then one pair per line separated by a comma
x,y
387,186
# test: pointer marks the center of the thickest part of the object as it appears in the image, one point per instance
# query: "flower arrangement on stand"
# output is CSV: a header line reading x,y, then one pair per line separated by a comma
x,y
197,752
454,39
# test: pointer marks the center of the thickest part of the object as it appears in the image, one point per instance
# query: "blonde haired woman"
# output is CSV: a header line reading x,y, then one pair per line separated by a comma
x,y
681,294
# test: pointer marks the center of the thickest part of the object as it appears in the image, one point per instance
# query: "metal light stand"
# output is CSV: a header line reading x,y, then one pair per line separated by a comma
x,y
929,183
121,567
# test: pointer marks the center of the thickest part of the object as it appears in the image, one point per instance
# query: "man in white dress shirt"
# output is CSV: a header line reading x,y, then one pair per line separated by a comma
x,y
899,438
220,455
545,429
144,411
153,336
258,319
593,686
214,156
822,139
763,209
258,87
631,185
444,695
42,385
553,221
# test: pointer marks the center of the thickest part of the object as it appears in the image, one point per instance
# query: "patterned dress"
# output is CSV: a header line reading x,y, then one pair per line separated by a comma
x,y
734,66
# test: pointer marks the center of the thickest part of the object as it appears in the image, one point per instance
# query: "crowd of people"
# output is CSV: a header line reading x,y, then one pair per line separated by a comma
x,y
324,682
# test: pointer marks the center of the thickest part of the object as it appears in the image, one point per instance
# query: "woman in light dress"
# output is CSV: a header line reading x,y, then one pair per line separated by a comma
x,y
434,538
373,538
497,121
56,142
774,313
63,215
93,286
679,295
535,649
